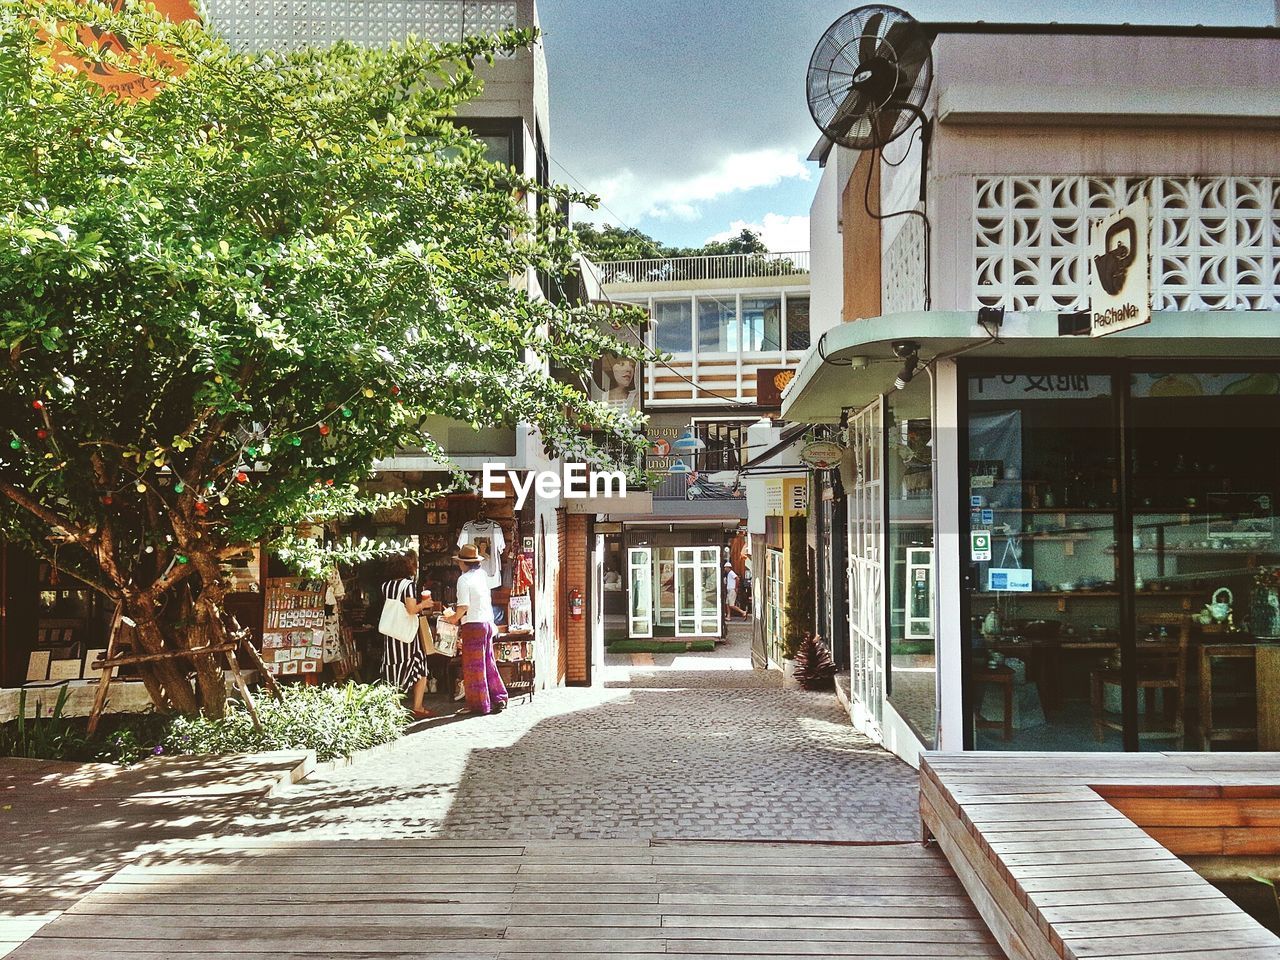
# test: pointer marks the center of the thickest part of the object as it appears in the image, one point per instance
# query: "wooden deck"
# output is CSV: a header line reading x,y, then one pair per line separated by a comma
x,y
1053,851
440,899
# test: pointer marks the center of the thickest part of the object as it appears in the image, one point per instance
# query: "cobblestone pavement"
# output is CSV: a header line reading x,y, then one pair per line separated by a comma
x,y
693,746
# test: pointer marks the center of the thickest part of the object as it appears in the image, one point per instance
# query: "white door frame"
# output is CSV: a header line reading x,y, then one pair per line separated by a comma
x,y
705,620
640,592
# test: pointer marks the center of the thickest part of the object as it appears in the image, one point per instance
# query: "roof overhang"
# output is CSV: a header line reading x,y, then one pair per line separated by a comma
x,y
853,363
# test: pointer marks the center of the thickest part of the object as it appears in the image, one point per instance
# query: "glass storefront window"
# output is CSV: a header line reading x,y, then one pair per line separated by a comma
x,y
1204,463
1044,598
761,323
912,632
797,323
718,330
673,326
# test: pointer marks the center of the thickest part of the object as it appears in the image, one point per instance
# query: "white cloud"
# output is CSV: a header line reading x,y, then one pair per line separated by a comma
x,y
780,233
630,198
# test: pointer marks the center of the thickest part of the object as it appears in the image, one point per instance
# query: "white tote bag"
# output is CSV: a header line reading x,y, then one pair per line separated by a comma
x,y
396,621
447,638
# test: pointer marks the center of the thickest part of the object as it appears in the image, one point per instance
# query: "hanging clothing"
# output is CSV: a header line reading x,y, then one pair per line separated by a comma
x,y
480,678
489,543
403,662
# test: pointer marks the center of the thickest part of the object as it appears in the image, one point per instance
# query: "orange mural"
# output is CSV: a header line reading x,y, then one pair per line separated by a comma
x,y
129,86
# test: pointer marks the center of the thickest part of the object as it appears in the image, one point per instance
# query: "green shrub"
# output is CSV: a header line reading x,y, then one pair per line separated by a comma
x,y
52,737
333,721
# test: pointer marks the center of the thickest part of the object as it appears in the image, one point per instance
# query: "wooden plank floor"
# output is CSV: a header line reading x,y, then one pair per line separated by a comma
x,y
1046,847
442,899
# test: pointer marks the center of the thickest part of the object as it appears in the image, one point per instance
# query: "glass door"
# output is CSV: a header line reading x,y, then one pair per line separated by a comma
x,y
866,565
1047,634
773,598
697,591
640,592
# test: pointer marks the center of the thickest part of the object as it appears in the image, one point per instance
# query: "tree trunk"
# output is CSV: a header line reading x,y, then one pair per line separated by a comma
x,y
169,676
209,629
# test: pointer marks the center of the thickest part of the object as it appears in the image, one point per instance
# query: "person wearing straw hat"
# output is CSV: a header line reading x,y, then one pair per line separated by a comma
x,y
473,612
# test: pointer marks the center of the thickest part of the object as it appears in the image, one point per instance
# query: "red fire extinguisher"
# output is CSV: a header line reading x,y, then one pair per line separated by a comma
x,y
575,604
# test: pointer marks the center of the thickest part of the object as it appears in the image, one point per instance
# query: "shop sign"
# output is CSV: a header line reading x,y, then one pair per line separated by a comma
x,y
980,546
125,85
770,382
1120,281
1039,386
821,454
796,496
773,498
1008,579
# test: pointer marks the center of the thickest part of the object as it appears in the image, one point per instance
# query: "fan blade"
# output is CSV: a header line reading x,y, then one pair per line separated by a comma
x,y
911,50
869,42
854,108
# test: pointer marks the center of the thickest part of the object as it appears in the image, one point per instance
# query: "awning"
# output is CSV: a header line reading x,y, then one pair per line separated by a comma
x,y
853,363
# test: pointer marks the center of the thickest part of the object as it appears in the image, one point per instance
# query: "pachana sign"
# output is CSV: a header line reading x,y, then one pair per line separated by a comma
x,y
125,85
1120,275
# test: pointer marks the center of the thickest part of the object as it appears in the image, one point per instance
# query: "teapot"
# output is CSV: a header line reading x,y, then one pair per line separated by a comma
x,y
1220,610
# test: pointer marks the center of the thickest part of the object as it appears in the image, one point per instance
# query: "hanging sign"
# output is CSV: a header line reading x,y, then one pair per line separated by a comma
x,y
980,545
125,85
770,382
1120,279
822,454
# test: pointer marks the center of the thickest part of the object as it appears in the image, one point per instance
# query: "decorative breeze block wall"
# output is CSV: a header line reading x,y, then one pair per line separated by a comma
x,y
1215,241
254,25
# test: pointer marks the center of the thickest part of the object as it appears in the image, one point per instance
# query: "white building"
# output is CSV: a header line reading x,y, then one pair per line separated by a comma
x,y
1035,524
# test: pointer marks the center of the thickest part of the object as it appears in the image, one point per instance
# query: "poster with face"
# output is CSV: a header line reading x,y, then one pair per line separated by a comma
x,y
617,382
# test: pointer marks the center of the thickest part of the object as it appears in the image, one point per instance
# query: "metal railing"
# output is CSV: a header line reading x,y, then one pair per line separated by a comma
x,y
718,267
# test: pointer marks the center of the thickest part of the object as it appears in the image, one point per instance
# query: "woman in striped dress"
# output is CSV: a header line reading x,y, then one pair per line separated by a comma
x,y
403,663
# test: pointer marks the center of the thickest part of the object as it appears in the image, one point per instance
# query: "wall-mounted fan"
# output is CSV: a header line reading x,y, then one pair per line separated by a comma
x,y
869,76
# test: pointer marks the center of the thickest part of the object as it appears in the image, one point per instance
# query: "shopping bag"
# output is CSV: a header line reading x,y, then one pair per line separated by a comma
x,y
425,638
447,638
398,622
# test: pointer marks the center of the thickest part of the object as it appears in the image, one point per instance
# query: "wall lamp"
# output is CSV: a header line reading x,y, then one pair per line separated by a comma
x,y
991,319
908,352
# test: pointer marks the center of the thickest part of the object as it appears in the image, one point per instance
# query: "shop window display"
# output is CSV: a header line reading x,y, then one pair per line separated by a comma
x,y
912,633
1204,463
1044,605
1134,611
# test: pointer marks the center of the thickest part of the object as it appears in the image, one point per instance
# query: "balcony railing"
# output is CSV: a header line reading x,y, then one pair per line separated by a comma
x,y
731,266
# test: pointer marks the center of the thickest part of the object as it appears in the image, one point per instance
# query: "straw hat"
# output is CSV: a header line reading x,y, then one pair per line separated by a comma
x,y
468,554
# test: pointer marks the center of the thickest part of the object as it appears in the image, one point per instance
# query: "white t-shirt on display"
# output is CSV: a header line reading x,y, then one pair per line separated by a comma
x,y
475,595
489,543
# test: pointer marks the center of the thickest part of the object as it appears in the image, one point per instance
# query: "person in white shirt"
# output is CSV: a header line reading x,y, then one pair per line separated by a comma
x,y
731,595
473,612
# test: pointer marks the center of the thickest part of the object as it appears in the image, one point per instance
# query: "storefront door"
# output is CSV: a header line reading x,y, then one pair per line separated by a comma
x,y
640,592
697,591
866,568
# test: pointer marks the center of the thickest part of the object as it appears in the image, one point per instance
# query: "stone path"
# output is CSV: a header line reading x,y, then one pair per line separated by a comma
x,y
691,746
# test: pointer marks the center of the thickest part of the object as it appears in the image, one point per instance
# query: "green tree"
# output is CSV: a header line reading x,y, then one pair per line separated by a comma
x,y
799,611
609,244
220,306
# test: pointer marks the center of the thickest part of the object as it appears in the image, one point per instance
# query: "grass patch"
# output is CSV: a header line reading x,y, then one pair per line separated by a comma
x,y
662,646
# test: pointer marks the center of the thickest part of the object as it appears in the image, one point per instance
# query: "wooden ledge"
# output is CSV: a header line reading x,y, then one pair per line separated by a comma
x,y
1074,855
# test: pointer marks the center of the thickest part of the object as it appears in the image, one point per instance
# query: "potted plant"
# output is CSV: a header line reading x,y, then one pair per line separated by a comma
x,y
798,612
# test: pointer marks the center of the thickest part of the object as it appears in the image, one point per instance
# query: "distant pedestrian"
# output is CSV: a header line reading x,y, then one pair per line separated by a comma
x,y
746,598
731,595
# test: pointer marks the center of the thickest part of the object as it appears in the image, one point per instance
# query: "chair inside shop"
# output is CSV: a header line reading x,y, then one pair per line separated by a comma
x,y
1161,663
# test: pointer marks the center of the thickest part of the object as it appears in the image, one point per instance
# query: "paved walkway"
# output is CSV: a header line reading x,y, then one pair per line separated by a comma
x,y
690,746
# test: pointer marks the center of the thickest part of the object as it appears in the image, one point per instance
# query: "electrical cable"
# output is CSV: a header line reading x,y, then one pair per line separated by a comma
x,y
877,154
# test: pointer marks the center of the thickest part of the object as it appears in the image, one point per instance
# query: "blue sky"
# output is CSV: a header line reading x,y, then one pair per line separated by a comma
x,y
689,119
